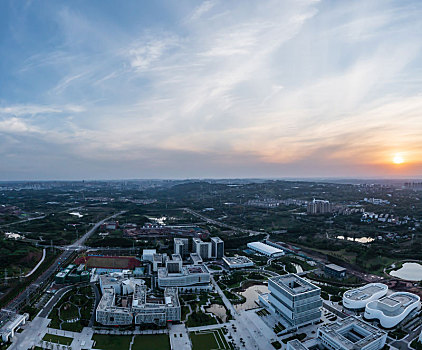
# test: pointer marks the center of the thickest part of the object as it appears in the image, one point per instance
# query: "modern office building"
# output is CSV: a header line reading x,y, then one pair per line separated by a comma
x,y
335,271
196,259
356,299
148,254
265,249
191,278
203,249
237,262
393,309
217,248
319,207
138,308
351,333
296,300
174,265
158,260
181,246
10,323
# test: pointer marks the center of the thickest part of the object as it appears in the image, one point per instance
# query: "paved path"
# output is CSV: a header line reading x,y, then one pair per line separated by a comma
x,y
38,265
179,337
226,301
33,332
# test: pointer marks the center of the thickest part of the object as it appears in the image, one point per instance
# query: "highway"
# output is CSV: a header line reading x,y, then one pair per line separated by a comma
x,y
222,224
21,299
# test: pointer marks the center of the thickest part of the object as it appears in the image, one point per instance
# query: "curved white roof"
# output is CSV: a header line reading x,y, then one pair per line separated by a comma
x,y
264,248
358,298
392,309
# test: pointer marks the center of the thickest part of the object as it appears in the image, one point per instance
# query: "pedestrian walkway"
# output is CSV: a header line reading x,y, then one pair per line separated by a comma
x,y
179,337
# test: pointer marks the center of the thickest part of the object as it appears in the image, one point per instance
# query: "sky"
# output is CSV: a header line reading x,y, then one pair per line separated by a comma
x,y
105,89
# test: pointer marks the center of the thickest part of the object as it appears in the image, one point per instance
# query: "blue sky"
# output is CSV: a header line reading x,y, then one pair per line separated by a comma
x,y
175,89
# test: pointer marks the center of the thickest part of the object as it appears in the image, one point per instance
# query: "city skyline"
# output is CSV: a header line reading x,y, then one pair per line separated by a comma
x,y
211,89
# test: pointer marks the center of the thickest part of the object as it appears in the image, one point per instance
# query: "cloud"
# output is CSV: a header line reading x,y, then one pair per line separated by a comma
x,y
274,85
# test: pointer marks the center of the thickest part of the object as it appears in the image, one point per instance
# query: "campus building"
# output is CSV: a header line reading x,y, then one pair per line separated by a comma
x,y
296,300
138,307
217,248
10,323
203,249
174,264
393,309
196,259
237,262
181,246
190,278
351,333
356,299
265,249
333,270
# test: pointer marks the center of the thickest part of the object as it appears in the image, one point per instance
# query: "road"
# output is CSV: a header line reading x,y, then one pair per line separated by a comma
x,y
21,299
221,224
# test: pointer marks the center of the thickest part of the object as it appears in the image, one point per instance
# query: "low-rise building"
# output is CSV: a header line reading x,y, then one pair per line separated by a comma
x,y
265,249
335,271
351,333
196,259
237,262
393,309
10,323
138,307
356,299
191,277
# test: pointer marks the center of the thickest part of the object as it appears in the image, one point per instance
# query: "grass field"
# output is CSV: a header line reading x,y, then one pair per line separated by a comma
x,y
209,340
112,342
58,339
147,342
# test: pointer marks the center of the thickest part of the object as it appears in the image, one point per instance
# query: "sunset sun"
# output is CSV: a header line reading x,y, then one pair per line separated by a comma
x,y
398,159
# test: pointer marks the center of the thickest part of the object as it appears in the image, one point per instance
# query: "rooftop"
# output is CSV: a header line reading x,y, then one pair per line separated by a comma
x,y
394,304
336,267
297,345
186,270
233,260
365,292
352,333
216,239
293,284
264,247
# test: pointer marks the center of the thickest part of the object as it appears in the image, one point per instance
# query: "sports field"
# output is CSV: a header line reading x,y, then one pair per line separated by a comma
x,y
110,262
209,340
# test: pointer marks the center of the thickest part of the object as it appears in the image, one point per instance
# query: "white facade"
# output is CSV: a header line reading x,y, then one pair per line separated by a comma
x,y
137,309
357,298
217,247
11,323
203,249
265,249
195,277
238,262
148,254
181,246
351,333
392,309
295,299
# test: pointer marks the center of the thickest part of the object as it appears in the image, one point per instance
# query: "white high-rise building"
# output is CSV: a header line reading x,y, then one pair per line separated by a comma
x,y
181,246
203,249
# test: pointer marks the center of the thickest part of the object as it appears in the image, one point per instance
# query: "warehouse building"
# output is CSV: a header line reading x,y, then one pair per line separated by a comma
x,y
335,271
265,249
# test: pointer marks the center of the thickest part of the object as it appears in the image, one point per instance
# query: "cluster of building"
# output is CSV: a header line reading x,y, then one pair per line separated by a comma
x,y
126,301
318,206
272,203
72,274
376,201
389,310
297,302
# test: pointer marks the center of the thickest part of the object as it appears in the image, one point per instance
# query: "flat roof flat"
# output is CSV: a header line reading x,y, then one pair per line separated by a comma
x,y
365,292
336,267
363,332
293,284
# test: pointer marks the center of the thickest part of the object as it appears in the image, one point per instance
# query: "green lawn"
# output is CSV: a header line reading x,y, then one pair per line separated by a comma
x,y
58,339
209,340
112,342
147,342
